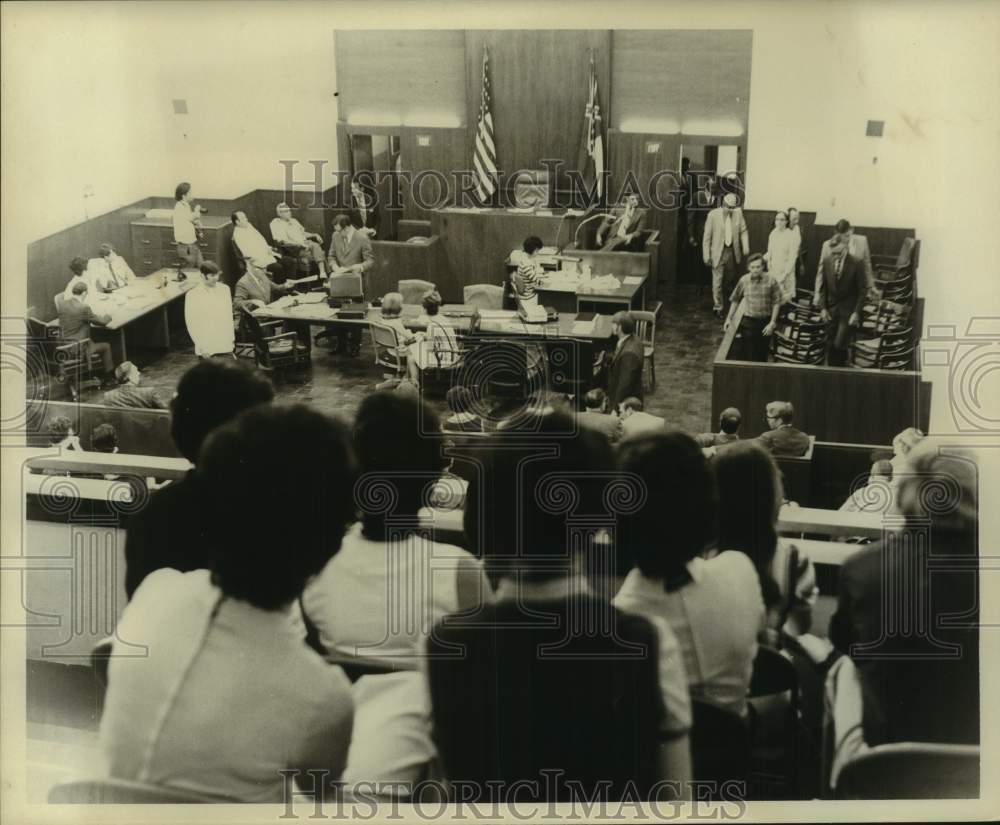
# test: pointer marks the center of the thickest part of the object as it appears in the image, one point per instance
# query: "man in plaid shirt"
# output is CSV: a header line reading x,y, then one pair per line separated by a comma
x,y
763,300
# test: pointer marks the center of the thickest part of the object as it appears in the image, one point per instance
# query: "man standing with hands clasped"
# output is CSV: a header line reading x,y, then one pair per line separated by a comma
x,y
764,298
725,243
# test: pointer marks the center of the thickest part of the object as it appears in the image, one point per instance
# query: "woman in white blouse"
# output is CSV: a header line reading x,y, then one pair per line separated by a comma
x,y
208,313
782,250
713,605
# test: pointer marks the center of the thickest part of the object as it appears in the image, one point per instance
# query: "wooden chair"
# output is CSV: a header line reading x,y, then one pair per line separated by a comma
x,y
71,363
645,331
789,351
893,349
483,296
774,702
889,269
912,770
110,791
413,289
385,342
720,745
278,352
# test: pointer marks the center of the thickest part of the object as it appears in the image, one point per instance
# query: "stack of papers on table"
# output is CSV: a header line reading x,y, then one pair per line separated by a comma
x,y
583,327
496,314
632,280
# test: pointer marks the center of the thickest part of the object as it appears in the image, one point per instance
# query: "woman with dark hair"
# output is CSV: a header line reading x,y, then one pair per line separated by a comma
x,y
750,496
713,605
438,346
230,695
529,271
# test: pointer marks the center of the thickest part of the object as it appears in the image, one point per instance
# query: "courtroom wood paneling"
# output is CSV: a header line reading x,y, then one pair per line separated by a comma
x,y
832,403
447,153
410,76
397,260
838,468
540,88
691,78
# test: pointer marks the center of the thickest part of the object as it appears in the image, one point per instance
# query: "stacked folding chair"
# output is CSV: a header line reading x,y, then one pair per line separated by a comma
x,y
800,334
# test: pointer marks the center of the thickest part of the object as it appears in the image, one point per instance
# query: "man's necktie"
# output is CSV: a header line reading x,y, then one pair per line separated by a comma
x,y
729,230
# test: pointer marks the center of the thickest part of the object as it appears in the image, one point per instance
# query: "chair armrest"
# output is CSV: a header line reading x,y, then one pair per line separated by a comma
x,y
276,323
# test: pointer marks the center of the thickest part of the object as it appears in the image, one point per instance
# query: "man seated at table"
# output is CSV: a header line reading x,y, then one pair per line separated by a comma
x,y
75,319
783,438
130,394
291,238
81,275
254,248
624,226
109,270
257,289
635,421
729,430
595,416
350,249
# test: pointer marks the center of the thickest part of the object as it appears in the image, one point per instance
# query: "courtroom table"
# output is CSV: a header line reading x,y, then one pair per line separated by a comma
x,y
140,311
567,295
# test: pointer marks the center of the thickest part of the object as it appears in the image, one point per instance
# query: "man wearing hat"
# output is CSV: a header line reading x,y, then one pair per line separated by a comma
x,y
725,243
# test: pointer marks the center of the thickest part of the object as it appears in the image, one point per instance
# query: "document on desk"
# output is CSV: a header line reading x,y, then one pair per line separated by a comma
x,y
632,280
583,327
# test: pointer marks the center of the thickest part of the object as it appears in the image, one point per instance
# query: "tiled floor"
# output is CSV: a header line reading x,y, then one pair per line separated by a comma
x,y
687,337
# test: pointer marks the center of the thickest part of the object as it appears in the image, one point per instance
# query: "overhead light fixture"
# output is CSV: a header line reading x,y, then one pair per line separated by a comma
x,y
650,126
712,128
372,118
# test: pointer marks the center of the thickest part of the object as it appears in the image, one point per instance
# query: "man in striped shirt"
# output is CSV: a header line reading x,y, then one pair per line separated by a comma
x,y
529,270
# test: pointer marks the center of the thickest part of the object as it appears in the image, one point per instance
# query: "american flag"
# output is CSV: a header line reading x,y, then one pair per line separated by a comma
x,y
593,143
485,155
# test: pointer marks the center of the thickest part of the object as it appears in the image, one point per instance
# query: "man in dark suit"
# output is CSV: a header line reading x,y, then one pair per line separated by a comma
x,y
840,293
75,320
168,531
350,248
783,438
625,369
620,231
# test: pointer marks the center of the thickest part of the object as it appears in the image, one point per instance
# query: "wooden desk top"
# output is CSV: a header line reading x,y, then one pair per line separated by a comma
x,y
207,221
142,296
513,213
459,316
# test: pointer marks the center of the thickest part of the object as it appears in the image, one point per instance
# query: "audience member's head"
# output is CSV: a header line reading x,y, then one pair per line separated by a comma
x,y
80,291
105,250
630,405
844,229
303,460
905,441
431,302
595,400
209,394
518,511
183,191
941,485
399,457
239,218
755,264
532,244
881,469
730,201
623,323
677,519
78,265
60,427
127,373
750,495
793,216
459,399
210,272
341,221
780,220
104,439
392,304
730,420
779,413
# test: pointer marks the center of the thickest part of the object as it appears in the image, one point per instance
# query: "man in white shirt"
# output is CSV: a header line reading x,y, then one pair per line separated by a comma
x,y
725,242
637,422
254,248
291,238
208,313
186,225
109,271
